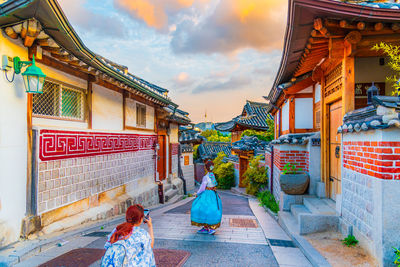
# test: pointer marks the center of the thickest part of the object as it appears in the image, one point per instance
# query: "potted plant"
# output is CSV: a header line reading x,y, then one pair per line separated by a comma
x,y
293,180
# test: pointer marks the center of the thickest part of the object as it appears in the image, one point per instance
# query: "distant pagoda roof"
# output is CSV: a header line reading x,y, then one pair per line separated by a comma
x,y
254,116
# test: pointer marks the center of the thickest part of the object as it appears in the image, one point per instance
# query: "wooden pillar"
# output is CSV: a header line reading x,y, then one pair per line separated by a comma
x,y
291,114
30,155
89,101
324,139
348,94
124,96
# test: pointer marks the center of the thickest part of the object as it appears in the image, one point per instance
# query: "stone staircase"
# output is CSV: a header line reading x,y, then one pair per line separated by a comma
x,y
314,215
171,193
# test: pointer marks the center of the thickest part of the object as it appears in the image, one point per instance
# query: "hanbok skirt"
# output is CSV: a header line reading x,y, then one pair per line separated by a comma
x,y
207,210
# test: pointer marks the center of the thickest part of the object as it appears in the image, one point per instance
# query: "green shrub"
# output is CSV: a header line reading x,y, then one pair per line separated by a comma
x,y
262,135
224,172
255,177
397,254
268,200
350,241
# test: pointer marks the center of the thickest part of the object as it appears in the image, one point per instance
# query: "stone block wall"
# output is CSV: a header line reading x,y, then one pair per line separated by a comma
x,y
188,170
77,165
370,190
62,182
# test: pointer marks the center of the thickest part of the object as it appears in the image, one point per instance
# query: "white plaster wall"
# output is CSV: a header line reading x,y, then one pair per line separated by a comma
x,y
173,133
304,113
368,70
317,93
13,146
131,114
106,109
285,116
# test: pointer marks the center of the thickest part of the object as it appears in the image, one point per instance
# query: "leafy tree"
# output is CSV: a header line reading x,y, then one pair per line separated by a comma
x,y
256,177
393,53
215,136
262,135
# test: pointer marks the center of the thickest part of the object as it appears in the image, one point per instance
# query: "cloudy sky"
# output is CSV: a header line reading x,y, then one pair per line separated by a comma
x,y
211,55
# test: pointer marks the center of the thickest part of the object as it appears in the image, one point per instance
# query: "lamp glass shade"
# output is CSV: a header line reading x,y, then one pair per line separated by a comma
x,y
34,79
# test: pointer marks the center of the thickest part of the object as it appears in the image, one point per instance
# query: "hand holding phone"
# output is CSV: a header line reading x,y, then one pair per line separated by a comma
x,y
146,215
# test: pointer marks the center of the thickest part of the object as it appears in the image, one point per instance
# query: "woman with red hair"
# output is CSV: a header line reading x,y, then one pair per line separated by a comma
x,y
129,245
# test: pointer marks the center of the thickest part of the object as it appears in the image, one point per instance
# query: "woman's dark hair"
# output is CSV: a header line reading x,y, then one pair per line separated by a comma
x,y
209,163
134,214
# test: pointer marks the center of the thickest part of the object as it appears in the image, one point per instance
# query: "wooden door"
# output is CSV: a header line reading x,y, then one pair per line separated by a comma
x,y
161,157
243,165
335,163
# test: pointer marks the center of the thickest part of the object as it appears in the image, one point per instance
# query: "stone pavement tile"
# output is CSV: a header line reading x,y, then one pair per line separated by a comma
x,y
290,256
271,228
34,261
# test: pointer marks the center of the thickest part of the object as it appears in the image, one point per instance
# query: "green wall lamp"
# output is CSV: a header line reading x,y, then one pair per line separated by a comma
x,y
33,75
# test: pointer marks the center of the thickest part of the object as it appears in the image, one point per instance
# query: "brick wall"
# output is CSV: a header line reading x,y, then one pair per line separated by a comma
x,y
62,182
376,159
300,158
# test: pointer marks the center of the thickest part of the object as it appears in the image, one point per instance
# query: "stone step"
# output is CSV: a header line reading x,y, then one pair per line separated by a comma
x,y
174,199
298,209
319,206
167,186
170,194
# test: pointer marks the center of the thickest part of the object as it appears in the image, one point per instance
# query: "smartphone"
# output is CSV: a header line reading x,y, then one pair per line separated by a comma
x,y
146,215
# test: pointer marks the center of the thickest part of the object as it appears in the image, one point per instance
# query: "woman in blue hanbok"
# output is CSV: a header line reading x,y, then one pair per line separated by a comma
x,y
207,207
129,245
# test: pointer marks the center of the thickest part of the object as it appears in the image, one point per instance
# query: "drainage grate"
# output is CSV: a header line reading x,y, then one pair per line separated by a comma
x,y
243,223
281,243
98,234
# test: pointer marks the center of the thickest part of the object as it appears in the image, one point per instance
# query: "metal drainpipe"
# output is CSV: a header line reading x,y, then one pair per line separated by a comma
x,y
180,172
272,169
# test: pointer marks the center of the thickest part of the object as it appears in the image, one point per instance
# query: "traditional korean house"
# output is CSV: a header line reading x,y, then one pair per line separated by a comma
x,y
254,117
326,122
77,131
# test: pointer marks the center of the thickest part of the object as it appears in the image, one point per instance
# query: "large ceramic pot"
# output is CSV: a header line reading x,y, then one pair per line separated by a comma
x,y
294,184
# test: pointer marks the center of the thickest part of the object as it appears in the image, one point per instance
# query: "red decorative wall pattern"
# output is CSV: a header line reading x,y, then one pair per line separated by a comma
x,y
377,159
174,149
55,145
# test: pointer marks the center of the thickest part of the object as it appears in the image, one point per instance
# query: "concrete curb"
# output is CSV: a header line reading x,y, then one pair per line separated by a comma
x,y
315,258
27,249
236,191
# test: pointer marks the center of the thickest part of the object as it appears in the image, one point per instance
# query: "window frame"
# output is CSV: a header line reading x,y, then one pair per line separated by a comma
x,y
61,86
143,110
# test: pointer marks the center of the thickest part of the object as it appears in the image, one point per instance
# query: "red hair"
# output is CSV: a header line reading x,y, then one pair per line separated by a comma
x,y
134,214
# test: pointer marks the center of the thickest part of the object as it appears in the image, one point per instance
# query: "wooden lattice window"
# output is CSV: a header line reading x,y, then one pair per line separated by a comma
x,y
140,115
59,101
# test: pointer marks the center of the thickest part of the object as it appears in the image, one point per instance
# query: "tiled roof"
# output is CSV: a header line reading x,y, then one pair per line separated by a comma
x,y
254,116
211,149
386,5
186,148
177,115
250,143
190,136
294,139
384,113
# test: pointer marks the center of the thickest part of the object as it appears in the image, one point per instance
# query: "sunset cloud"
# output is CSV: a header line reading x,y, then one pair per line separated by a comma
x,y
234,83
234,25
183,80
155,13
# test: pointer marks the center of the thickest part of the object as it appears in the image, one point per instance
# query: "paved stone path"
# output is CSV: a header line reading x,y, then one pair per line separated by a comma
x,y
263,245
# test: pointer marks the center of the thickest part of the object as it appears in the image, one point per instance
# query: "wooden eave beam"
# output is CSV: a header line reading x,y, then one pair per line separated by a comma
x,y
299,86
51,62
